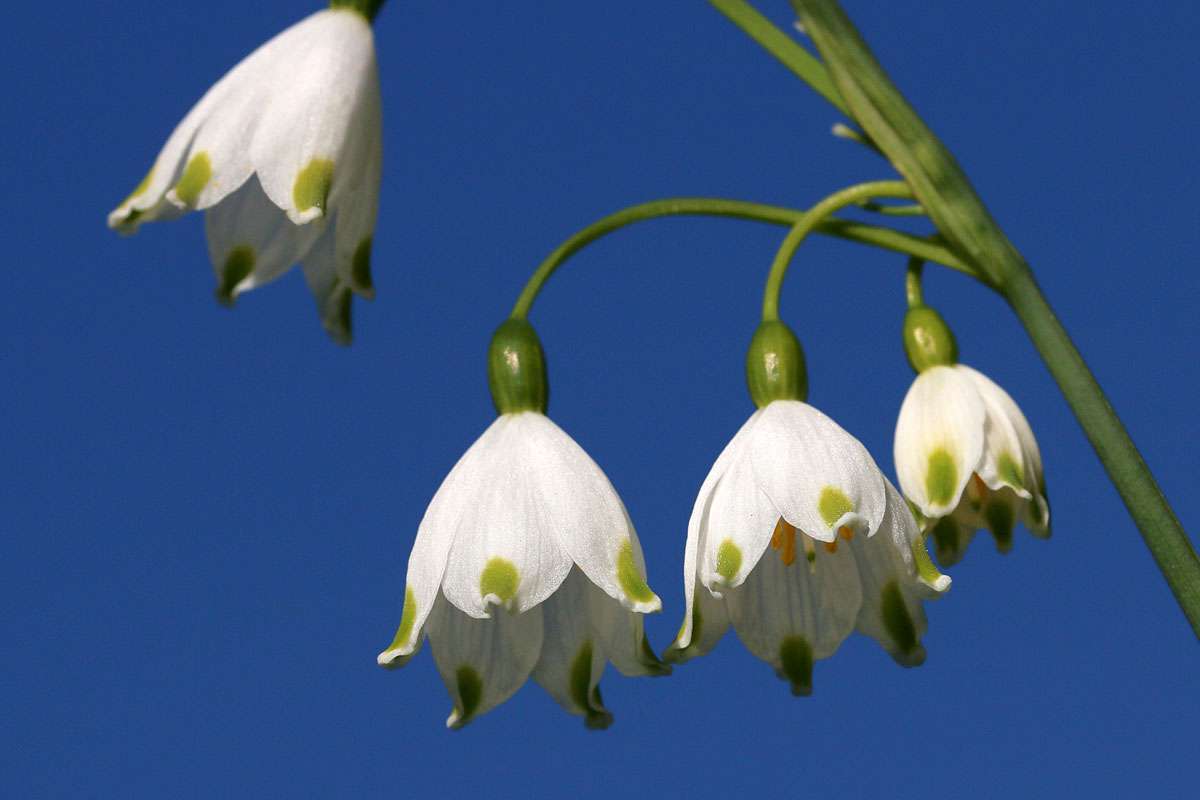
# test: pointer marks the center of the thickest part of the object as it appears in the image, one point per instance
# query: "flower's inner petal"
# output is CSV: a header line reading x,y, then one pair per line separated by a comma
x,y
334,301
572,660
250,242
621,634
893,582
483,661
787,613
939,439
819,477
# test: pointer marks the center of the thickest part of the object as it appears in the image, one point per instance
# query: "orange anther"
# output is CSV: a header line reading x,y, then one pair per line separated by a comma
x,y
846,532
784,540
831,547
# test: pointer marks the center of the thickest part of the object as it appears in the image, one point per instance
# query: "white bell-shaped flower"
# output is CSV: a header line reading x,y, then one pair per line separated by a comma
x,y
967,459
526,562
797,539
285,154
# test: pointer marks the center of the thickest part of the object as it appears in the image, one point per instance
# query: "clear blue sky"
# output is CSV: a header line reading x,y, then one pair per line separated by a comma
x,y
208,512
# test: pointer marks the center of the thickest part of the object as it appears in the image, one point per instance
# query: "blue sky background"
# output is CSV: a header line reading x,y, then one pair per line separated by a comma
x,y
208,513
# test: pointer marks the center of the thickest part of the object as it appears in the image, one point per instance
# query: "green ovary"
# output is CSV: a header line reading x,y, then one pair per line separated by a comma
x,y
499,578
631,580
941,477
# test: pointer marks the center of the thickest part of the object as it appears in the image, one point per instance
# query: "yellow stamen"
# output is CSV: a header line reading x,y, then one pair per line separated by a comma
x,y
846,532
831,547
977,490
784,540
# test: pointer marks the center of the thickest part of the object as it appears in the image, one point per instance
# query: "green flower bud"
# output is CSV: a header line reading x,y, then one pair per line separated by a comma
x,y
775,365
928,341
517,369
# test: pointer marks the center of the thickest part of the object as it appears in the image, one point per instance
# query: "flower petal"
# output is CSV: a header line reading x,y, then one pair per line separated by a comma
x,y
894,581
483,661
580,509
621,634
250,242
696,525
939,439
571,660
356,199
511,505
706,622
793,615
739,524
819,476
334,301
299,146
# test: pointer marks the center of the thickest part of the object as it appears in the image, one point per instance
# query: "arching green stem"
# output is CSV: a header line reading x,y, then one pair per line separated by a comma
x,y
912,283
800,231
929,249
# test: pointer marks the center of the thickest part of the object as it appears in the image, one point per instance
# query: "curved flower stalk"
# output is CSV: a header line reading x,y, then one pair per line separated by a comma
x,y
967,459
285,154
797,539
526,562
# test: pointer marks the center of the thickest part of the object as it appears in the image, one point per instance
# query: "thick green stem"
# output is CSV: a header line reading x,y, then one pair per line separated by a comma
x,y
886,238
1160,528
947,196
368,8
808,223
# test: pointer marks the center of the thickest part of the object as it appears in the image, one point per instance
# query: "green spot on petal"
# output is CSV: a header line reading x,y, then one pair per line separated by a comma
x,y
499,578
631,580
470,692
832,504
796,656
948,541
311,188
238,266
195,177
729,560
407,617
899,625
999,516
1009,471
580,689
941,479
360,267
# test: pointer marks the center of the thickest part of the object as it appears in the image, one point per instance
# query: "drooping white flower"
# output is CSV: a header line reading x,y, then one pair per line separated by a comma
x,y
797,539
967,459
526,562
285,154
